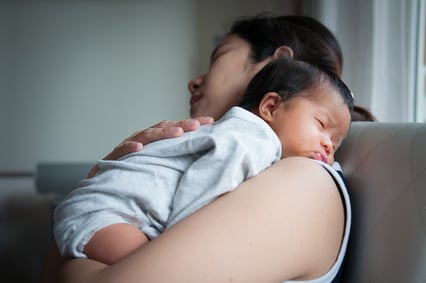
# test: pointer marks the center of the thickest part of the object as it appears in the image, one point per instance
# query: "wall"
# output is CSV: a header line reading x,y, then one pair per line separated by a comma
x,y
80,76
83,75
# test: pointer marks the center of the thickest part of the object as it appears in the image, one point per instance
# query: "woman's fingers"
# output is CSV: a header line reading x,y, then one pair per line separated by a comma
x,y
169,129
186,124
160,131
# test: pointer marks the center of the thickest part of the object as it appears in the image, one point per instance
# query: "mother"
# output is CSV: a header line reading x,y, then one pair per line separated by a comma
x,y
288,223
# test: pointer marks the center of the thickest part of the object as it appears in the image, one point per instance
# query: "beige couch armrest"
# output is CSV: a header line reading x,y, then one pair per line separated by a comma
x,y
385,168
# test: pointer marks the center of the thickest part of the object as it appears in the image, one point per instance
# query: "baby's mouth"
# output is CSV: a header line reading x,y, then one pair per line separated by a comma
x,y
320,157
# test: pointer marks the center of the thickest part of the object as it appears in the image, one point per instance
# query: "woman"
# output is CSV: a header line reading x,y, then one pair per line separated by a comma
x,y
278,226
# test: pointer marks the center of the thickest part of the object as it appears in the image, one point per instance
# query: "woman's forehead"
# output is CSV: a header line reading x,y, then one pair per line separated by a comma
x,y
227,40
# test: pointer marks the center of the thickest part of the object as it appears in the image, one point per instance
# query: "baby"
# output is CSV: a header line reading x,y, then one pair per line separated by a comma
x,y
290,108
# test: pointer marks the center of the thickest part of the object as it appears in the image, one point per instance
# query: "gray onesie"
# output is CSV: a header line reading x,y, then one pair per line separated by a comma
x,y
167,181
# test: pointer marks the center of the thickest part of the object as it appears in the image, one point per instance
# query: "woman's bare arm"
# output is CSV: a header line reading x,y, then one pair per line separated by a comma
x,y
162,130
276,226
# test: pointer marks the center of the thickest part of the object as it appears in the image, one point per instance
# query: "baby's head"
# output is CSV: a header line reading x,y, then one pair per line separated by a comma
x,y
308,108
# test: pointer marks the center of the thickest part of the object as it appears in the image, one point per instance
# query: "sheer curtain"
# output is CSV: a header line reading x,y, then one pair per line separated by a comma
x,y
378,38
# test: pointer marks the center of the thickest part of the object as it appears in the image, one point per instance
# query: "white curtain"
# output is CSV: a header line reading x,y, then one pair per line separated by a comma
x,y
379,41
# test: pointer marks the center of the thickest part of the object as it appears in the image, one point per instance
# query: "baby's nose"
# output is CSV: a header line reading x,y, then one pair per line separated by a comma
x,y
327,145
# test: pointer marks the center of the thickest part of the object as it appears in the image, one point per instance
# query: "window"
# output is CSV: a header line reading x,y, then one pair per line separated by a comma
x,y
420,102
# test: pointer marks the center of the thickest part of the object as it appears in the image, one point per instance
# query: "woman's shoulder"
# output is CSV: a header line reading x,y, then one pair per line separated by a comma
x,y
312,211
332,196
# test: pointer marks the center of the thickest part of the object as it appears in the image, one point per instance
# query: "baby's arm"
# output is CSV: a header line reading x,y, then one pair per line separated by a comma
x,y
100,220
114,242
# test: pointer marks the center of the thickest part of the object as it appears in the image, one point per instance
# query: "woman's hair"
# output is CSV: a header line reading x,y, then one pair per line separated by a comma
x,y
362,114
310,40
291,78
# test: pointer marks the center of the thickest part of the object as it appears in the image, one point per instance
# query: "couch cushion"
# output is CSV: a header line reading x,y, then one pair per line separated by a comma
x,y
385,167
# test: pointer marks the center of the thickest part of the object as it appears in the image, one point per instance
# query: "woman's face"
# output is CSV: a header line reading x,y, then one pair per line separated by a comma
x,y
222,87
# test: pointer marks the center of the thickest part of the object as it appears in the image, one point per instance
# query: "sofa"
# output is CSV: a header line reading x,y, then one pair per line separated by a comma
x,y
385,169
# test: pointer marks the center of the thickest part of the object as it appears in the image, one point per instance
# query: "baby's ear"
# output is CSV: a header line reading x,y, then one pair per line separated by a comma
x,y
270,103
283,51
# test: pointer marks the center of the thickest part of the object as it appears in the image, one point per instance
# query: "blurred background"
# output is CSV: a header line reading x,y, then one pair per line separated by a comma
x,y
79,76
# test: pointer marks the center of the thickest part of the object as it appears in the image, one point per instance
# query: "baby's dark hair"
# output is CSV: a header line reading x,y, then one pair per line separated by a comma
x,y
288,78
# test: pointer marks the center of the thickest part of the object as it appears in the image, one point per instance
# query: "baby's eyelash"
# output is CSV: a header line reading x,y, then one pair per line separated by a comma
x,y
320,122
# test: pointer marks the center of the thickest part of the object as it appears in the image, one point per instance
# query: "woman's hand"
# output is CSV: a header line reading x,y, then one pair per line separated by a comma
x,y
160,131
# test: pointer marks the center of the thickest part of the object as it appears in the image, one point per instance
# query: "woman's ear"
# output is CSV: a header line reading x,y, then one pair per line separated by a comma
x,y
283,52
270,103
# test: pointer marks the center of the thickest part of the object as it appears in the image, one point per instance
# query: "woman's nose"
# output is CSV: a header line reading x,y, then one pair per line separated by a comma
x,y
195,84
